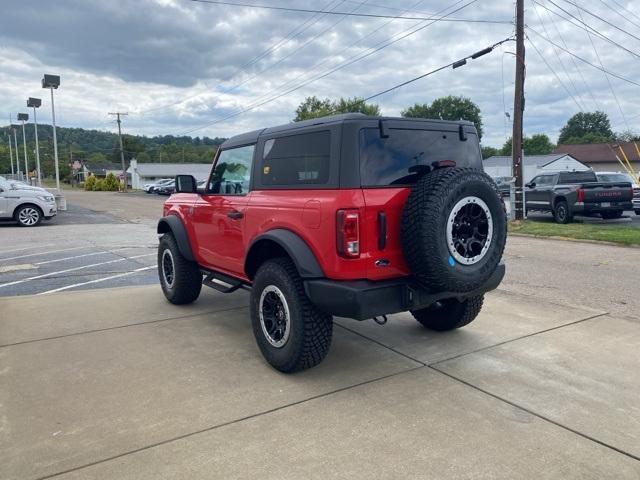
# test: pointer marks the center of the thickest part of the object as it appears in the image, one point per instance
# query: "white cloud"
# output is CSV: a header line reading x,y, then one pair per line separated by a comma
x,y
196,61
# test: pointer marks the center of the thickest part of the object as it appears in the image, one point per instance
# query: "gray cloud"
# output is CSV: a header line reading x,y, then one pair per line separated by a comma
x,y
187,58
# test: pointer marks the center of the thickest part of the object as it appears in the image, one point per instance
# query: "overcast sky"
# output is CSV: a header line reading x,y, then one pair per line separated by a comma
x,y
177,65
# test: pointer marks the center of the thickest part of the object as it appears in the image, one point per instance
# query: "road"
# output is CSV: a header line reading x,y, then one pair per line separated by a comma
x,y
118,228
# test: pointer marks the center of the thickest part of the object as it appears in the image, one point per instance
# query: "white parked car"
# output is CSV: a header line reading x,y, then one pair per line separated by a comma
x,y
26,205
151,187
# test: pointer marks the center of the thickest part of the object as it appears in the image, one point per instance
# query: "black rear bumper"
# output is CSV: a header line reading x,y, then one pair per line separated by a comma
x,y
364,299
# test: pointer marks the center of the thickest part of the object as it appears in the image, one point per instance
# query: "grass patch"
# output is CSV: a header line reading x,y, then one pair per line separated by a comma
x,y
579,231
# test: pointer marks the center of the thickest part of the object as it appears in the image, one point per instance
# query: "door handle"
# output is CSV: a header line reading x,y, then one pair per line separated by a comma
x,y
235,215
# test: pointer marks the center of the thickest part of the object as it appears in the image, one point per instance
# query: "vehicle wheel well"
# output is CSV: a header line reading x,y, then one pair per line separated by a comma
x,y
163,227
260,252
15,212
558,200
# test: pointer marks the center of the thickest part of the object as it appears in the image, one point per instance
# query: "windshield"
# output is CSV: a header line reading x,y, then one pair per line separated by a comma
x,y
614,177
393,160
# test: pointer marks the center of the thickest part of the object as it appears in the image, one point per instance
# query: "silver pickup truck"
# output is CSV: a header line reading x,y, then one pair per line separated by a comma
x,y
25,204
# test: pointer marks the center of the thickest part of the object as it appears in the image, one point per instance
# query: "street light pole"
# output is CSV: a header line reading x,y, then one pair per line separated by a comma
x,y
24,117
35,103
15,144
51,82
10,150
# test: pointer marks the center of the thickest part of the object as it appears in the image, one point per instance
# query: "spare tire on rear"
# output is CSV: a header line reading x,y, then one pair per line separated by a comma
x,y
453,229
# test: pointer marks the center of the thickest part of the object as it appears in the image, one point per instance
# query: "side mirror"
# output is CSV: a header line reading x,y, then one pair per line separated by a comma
x,y
186,184
530,185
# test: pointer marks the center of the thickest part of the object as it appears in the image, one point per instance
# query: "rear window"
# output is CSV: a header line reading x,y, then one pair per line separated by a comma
x,y
296,160
577,177
613,177
387,161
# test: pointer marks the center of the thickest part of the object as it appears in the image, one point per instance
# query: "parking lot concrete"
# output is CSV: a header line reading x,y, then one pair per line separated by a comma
x,y
104,382
117,383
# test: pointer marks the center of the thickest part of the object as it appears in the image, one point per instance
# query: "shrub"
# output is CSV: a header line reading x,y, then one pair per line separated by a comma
x,y
90,183
99,185
110,183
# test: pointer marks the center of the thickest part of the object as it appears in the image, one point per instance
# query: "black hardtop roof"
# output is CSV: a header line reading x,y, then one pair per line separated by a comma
x,y
252,137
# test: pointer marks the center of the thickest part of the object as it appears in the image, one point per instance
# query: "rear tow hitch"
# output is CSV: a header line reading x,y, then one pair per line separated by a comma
x,y
381,320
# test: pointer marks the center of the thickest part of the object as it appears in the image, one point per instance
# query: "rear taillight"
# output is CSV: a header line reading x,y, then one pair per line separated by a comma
x,y
580,193
348,233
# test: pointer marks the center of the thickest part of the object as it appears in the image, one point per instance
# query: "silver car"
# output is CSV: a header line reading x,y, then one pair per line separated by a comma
x,y
25,204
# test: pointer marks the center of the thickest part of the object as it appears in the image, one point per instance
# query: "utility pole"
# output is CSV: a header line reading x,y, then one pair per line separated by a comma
x,y
518,110
124,170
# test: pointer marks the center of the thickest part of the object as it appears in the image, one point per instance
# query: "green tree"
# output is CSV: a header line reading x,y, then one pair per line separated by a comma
x,y
448,108
90,183
489,152
586,127
314,107
537,144
110,183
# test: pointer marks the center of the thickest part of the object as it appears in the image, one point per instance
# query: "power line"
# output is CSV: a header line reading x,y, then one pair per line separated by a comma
x,y
625,9
365,15
360,40
566,72
291,35
556,75
617,12
613,74
339,67
605,74
585,26
454,64
599,17
573,60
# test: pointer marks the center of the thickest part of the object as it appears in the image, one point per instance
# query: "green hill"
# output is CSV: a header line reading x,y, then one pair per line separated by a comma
x,y
98,148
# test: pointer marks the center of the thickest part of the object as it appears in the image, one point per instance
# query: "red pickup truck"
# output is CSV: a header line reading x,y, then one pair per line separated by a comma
x,y
349,216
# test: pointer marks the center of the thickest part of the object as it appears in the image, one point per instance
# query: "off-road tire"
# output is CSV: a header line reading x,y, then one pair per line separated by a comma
x,y
424,226
449,314
561,213
611,215
187,278
25,220
311,329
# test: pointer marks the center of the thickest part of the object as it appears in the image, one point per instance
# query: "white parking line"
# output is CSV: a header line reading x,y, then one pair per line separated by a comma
x,y
27,248
44,253
16,282
86,255
98,280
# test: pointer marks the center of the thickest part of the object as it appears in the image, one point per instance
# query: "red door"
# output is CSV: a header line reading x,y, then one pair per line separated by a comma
x,y
218,221
219,214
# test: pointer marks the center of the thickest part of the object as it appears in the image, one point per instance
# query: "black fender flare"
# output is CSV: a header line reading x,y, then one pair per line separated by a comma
x,y
172,224
302,256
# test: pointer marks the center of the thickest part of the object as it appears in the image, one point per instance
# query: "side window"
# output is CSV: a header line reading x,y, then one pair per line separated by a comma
x,y
536,180
294,160
232,172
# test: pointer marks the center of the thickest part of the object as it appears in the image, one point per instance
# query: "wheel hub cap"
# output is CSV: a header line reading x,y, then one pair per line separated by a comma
x,y
274,316
28,216
168,271
469,230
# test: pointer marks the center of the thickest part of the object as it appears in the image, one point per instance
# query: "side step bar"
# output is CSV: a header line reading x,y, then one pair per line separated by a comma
x,y
223,283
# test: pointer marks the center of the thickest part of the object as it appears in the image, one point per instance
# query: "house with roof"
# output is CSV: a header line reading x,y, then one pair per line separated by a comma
x,y
500,166
141,173
601,157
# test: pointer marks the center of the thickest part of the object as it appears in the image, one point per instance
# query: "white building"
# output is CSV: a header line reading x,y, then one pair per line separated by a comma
x,y
141,173
500,166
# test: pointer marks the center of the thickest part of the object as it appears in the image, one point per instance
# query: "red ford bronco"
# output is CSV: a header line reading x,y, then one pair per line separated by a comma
x,y
350,216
